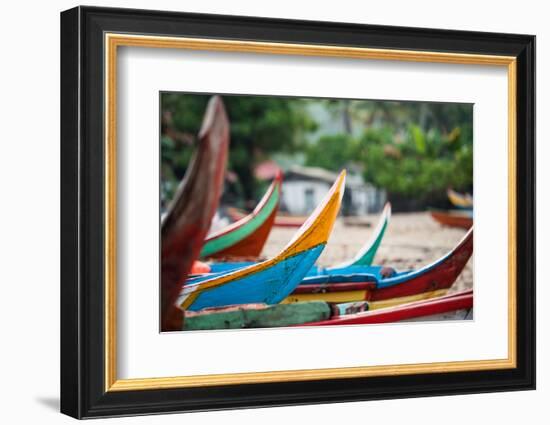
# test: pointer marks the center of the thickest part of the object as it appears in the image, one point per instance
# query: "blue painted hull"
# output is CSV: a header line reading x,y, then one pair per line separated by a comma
x,y
356,273
351,274
269,286
314,271
318,274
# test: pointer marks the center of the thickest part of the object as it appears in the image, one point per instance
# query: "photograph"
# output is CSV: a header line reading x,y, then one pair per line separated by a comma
x,y
299,211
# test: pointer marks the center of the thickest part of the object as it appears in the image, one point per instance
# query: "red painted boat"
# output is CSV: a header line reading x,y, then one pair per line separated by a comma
x,y
462,219
247,236
190,213
438,275
430,309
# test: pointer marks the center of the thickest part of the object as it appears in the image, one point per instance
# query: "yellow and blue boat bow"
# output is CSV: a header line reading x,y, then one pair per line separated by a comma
x,y
272,280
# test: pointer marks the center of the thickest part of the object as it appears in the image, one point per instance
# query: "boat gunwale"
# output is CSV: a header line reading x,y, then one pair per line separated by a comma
x,y
453,299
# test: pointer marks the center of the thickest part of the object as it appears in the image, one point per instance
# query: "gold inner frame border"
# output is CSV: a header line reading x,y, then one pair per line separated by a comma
x,y
113,40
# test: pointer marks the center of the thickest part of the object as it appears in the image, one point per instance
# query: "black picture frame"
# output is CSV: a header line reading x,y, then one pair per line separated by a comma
x,y
83,392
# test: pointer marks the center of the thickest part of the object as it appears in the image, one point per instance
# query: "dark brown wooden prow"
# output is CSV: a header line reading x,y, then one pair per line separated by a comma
x,y
190,213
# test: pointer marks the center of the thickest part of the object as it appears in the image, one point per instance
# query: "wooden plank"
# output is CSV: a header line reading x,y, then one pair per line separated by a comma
x,y
257,316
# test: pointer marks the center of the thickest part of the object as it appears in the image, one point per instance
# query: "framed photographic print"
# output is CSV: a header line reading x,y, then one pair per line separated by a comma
x,y
261,212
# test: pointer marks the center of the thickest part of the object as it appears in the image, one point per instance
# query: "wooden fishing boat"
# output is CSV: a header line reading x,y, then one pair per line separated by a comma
x,y
281,220
460,200
188,216
335,287
364,256
456,306
272,280
283,315
247,236
462,219
256,316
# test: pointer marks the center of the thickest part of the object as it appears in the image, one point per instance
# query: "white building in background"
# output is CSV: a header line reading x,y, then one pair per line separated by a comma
x,y
305,187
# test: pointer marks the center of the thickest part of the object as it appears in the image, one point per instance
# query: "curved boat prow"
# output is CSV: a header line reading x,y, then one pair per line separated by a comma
x,y
272,280
366,254
190,213
247,236
441,274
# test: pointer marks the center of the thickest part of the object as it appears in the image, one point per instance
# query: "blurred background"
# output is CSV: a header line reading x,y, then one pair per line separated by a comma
x,y
406,152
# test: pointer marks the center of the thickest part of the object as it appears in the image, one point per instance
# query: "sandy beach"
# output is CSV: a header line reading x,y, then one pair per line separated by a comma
x,y
412,240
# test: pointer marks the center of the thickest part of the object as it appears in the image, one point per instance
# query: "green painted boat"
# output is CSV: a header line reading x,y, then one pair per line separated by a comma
x,y
256,316
246,237
365,256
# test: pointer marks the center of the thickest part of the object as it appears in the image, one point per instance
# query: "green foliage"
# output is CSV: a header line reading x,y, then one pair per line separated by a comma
x,y
414,150
421,164
260,126
418,138
332,152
